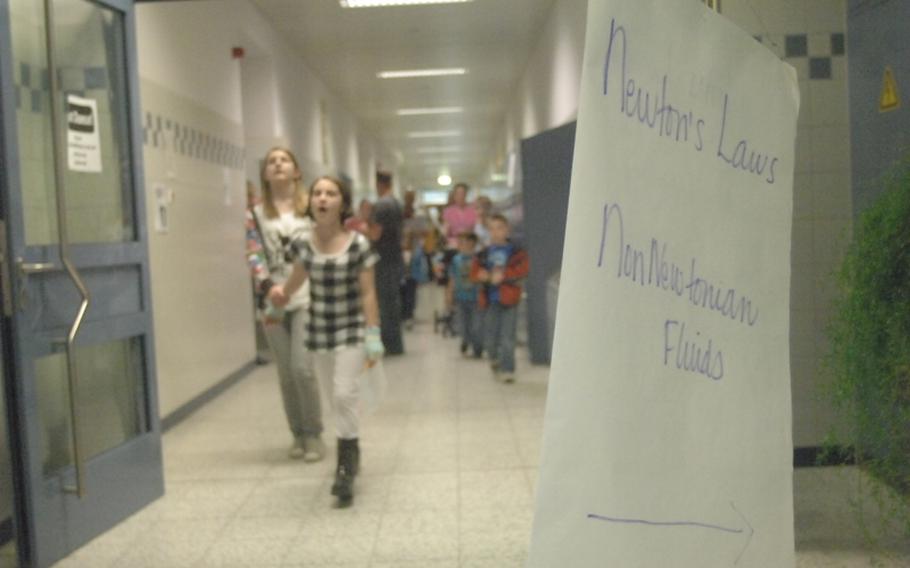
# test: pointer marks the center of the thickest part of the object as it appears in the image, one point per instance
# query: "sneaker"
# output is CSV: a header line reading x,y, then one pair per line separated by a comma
x,y
508,378
313,449
295,452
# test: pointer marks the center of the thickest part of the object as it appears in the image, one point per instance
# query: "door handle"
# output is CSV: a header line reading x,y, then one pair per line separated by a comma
x,y
26,268
59,153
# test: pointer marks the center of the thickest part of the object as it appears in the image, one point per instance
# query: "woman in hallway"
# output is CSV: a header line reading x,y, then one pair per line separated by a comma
x,y
280,220
459,216
343,326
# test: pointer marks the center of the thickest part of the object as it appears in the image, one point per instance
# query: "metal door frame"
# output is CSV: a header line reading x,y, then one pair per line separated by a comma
x,y
138,462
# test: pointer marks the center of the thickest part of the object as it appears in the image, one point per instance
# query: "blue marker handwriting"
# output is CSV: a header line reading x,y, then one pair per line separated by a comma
x,y
687,352
652,109
653,267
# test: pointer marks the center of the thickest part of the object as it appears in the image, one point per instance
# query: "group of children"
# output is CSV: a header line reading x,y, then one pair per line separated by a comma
x,y
320,315
483,292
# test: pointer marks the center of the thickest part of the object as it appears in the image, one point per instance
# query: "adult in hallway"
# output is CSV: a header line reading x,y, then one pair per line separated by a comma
x,y
459,216
278,221
385,232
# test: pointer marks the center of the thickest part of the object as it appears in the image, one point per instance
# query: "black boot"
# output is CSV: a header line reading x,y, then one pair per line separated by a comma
x,y
348,464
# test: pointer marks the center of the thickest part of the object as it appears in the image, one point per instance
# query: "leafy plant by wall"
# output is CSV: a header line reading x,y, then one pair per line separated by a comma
x,y
870,338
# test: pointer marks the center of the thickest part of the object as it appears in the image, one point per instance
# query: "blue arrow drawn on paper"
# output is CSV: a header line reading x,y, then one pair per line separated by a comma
x,y
748,530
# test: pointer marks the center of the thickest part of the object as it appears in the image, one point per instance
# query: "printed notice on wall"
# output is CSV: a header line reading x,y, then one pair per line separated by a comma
x,y
164,196
83,142
667,438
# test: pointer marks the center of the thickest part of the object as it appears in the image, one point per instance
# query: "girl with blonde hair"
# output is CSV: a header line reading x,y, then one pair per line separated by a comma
x,y
281,220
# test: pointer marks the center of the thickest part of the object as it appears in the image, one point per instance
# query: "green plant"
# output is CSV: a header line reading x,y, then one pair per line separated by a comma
x,y
870,341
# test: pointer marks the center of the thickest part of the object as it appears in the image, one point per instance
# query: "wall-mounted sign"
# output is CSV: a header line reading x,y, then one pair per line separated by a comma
x,y
83,142
164,196
890,100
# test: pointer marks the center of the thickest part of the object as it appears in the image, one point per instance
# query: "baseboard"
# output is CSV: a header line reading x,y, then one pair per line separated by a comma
x,y
200,400
814,456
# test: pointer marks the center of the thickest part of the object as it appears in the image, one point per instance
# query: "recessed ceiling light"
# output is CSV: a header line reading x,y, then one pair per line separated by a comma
x,y
439,150
441,160
498,177
444,179
435,134
406,73
382,3
436,110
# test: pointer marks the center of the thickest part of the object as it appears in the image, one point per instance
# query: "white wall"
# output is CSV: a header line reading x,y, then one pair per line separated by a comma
x,y
232,111
286,103
546,96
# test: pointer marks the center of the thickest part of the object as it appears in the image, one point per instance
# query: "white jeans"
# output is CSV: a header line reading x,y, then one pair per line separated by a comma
x,y
338,373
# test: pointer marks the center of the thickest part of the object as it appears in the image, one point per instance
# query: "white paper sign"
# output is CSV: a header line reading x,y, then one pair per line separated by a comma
x,y
667,439
164,196
82,139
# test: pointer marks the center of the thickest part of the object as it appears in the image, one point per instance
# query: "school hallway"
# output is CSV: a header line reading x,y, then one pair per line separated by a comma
x,y
449,467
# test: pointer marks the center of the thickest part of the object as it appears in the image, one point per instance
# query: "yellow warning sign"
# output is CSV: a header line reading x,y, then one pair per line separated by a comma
x,y
889,100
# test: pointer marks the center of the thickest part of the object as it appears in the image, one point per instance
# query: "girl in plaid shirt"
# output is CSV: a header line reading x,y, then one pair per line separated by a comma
x,y
343,326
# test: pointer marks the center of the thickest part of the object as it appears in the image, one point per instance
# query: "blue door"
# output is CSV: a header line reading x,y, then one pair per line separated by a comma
x,y
82,407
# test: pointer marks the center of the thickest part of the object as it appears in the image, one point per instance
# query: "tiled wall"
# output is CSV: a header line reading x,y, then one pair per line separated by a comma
x,y
161,132
206,122
200,288
810,36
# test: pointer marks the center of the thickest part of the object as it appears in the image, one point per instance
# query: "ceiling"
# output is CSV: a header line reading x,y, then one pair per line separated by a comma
x,y
492,39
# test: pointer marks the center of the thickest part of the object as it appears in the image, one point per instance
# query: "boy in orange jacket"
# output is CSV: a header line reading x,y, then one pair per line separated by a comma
x,y
501,267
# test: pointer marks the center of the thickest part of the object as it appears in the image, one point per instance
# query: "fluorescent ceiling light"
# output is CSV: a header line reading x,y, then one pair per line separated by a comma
x,y
499,177
381,3
441,160
439,150
421,73
435,134
444,179
437,110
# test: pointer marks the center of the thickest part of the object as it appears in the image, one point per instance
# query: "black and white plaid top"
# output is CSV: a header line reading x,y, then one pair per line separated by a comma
x,y
336,312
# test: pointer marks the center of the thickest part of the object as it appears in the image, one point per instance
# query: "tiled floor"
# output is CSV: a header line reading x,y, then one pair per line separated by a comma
x,y
449,465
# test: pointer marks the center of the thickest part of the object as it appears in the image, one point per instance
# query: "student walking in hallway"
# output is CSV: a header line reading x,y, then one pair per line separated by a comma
x,y
501,268
279,221
343,325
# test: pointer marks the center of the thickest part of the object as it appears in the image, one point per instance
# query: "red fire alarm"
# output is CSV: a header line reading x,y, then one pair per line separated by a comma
x,y
237,52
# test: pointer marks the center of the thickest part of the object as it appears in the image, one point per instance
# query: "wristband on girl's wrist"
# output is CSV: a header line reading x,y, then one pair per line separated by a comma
x,y
373,344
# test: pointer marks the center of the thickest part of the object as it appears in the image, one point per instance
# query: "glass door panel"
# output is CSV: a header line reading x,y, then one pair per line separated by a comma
x,y
36,160
90,52
112,375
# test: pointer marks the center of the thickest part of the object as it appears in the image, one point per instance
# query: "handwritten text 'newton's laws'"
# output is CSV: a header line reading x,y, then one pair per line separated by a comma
x,y
652,109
